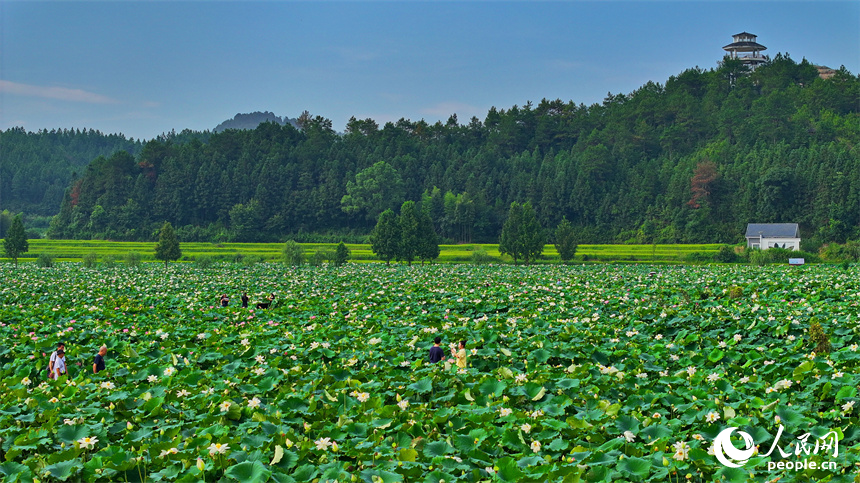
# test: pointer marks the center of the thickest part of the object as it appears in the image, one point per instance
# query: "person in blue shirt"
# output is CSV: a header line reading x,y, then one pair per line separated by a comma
x,y
436,352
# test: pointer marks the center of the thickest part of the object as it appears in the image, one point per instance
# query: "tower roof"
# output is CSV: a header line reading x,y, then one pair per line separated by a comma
x,y
745,46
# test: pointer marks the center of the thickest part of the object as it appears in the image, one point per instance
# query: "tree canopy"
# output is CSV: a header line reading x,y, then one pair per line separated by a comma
x,y
15,242
167,248
692,160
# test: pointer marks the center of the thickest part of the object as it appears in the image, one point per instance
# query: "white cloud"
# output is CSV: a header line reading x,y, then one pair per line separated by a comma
x,y
60,93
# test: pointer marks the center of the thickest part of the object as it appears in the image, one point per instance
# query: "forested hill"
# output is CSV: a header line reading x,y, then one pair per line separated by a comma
x,y
252,120
37,167
693,160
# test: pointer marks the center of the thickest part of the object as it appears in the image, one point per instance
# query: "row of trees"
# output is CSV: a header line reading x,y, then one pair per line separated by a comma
x,y
691,160
406,236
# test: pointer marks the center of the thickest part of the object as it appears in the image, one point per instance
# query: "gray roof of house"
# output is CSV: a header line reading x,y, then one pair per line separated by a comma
x,y
773,230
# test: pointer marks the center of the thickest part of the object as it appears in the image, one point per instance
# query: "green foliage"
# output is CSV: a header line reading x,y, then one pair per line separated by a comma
x,y
727,254
565,240
204,261
131,259
409,224
539,400
818,339
385,240
759,257
341,254
293,253
847,252
45,260
509,241
480,256
109,261
689,160
375,189
15,244
90,260
522,236
167,248
320,257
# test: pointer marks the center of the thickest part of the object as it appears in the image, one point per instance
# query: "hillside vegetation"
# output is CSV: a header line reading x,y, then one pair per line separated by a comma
x,y
691,161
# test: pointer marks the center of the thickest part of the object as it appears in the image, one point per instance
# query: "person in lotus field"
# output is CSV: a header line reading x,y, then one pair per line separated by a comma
x,y
436,352
53,359
224,300
59,367
460,355
245,300
99,361
267,305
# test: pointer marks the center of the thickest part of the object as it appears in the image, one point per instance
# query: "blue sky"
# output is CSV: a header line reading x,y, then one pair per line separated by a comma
x,y
143,68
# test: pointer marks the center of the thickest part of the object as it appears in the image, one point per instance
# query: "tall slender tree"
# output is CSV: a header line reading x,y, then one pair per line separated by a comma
x,y
167,248
16,242
409,231
510,242
385,238
531,234
565,240
428,241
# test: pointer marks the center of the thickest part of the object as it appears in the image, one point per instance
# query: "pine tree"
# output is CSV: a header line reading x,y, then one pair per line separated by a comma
x,y
409,229
341,254
428,241
385,238
531,235
16,242
167,248
565,240
509,242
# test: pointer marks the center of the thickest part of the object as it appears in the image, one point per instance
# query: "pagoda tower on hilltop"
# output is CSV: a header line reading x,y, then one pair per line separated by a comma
x,y
746,49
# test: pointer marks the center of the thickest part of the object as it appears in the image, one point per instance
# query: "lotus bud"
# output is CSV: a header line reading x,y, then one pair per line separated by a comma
x,y
200,464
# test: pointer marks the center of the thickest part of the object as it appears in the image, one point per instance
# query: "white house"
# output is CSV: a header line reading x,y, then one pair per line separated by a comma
x,y
773,235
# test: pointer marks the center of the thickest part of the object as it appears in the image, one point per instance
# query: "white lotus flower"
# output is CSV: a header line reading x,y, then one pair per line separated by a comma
x,y
323,443
88,442
218,448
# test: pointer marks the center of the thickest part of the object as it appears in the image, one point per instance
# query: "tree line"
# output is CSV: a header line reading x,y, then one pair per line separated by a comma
x,y
689,161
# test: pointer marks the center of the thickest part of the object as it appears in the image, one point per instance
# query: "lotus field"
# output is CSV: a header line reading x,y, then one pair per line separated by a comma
x,y
588,373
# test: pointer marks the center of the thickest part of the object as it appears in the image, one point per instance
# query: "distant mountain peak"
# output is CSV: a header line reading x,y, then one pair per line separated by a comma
x,y
252,120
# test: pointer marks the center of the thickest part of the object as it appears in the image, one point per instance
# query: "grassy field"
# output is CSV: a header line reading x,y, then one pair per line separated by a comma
x,y
74,250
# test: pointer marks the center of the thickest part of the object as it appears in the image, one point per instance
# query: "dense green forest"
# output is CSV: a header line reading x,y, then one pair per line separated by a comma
x,y
693,160
37,167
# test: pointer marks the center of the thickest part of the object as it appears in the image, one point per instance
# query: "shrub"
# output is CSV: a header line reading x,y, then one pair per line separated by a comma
x,y
89,260
726,254
45,260
480,256
109,261
204,261
736,292
321,256
341,255
819,339
759,257
293,254
250,260
132,259
698,257
238,258
834,252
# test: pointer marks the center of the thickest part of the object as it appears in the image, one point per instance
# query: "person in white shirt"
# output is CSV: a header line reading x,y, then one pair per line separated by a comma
x,y
53,359
59,364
